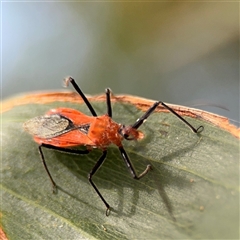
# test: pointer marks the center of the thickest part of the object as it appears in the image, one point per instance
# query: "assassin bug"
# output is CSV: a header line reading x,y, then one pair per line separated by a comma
x,y
62,128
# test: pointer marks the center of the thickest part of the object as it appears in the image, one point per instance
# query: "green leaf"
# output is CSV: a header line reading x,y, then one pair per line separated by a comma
x,y
192,192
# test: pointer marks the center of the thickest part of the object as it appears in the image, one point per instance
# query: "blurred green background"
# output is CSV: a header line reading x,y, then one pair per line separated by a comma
x,y
185,53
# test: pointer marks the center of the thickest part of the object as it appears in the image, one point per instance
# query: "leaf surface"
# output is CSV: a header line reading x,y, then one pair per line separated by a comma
x,y
192,192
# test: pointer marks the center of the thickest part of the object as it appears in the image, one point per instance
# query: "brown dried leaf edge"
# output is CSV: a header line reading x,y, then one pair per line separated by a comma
x,y
141,103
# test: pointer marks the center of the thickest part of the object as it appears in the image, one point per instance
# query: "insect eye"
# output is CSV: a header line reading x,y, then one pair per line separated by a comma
x,y
127,132
127,137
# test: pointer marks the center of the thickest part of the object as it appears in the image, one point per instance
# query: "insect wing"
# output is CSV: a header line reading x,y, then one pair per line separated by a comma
x,y
62,127
47,126
69,139
76,117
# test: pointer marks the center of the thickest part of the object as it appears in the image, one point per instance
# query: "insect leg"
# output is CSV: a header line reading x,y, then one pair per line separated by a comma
x,y
54,185
90,175
79,91
140,121
108,99
67,150
130,166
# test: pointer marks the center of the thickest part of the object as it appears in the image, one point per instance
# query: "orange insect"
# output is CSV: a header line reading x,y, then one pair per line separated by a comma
x,y
62,128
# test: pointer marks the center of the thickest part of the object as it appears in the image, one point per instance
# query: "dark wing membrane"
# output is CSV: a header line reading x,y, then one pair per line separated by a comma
x,y
84,128
48,126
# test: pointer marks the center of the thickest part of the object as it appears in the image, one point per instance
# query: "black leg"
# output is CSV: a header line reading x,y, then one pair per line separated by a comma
x,y
130,166
75,151
140,121
54,185
79,91
108,99
90,175
67,150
